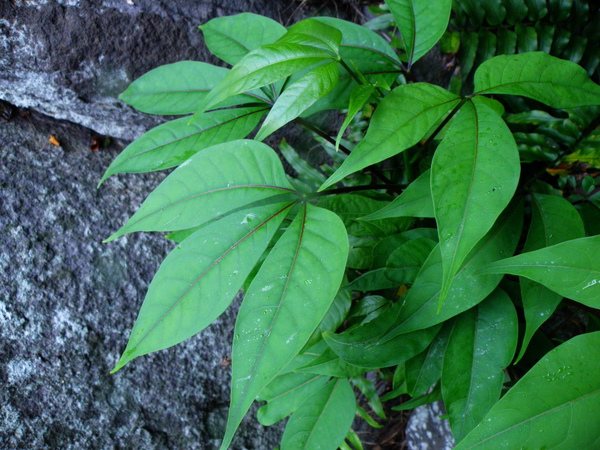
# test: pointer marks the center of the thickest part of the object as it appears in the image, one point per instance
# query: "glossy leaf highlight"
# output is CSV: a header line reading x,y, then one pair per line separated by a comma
x,y
547,79
286,301
474,175
564,412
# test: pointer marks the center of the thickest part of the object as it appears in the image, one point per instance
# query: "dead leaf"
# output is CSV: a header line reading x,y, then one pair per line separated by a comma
x,y
54,141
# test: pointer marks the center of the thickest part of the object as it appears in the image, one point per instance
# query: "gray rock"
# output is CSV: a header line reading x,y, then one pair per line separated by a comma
x,y
70,59
68,302
426,430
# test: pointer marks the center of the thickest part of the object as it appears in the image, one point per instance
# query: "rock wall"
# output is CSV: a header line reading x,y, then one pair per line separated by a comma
x,y
68,302
69,59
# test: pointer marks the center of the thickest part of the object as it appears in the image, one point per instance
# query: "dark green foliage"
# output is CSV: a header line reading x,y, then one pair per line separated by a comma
x,y
442,226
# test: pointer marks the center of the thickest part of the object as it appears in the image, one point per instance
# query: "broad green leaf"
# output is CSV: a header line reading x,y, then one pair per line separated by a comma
x,y
555,405
265,65
299,96
313,33
170,144
419,308
198,280
231,38
363,51
474,174
308,173
360,45
323,420
367,388
537,75
425,369
330,364
359,96
373,280
210,183
570,268
554,221
386,246
178,88
285,394
400,121
358,348
335,315
421,24
415,201
404,264
285,303
482,343
352,206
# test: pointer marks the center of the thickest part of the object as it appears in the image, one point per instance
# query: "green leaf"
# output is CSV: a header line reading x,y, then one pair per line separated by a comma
x,y
231,38
373,280
507,42
494,12
367,388
482,343
178,88
415,201
560,395
285,394
526,39
198,280
552,81
359,348
361,46
210,183
314,33
359,96
570,268
425,369
536,8
170,144
516,11
363,51
554,221
299,96
474,175
400,121
419,308
330,364
421,24
588,150
323,420
352,206
335,316
263,66
425,399
308,173
404,264
286,301
386,246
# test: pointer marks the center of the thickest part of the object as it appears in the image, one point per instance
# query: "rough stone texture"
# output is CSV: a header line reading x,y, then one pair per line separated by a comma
x,y
70,59
68,302
427,431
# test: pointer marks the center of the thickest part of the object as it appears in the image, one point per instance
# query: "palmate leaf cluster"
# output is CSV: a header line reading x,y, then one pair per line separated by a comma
x,y
417,254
